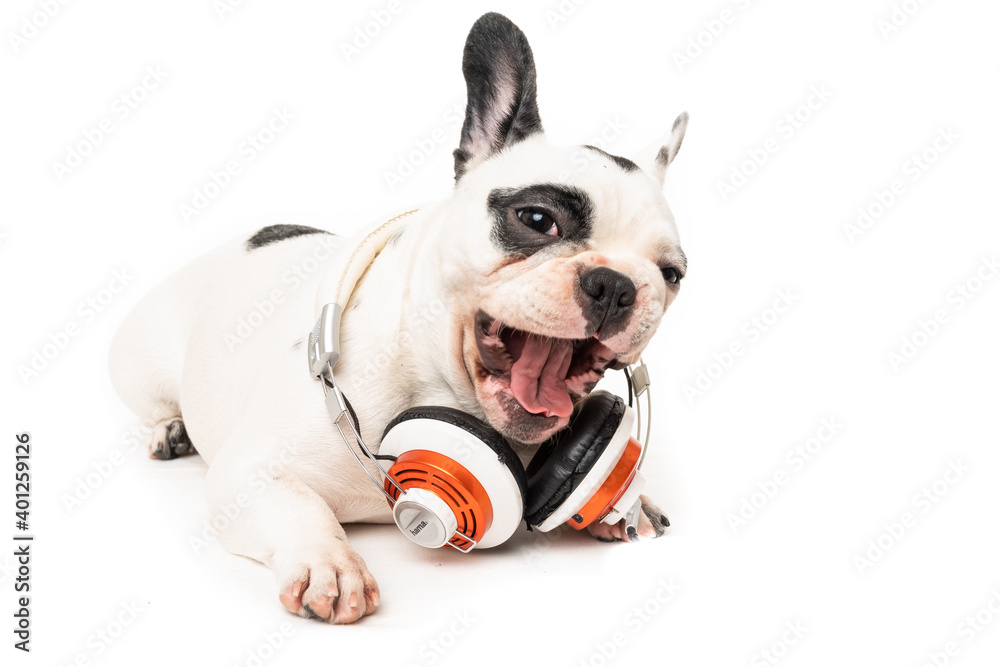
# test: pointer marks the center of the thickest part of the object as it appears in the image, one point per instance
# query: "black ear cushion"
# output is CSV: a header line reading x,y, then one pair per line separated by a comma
x,y
476,427
563,462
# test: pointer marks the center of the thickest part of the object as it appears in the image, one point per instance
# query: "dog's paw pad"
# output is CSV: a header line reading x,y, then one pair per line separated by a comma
x,y
336,588
170,440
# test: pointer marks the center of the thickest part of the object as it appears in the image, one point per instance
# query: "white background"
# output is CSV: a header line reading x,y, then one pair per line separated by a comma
x,y
603,65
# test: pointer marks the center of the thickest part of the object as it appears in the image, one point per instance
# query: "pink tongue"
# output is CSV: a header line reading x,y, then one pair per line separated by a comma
x,y
538,377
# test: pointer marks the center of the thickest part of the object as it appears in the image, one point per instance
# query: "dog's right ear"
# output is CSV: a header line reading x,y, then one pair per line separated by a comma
x,y
500,75
668,151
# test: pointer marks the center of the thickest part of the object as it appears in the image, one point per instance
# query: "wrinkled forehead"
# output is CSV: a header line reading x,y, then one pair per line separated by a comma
x,y
626,206
630,211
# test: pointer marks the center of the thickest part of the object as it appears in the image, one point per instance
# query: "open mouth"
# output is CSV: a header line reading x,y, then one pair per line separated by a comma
x,y
544,374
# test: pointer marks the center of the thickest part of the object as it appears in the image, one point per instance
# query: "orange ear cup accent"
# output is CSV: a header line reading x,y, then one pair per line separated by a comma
x,y
612,489
450,481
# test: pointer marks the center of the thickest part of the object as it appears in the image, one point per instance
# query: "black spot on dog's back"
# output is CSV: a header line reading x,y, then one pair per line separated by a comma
x,y
275,233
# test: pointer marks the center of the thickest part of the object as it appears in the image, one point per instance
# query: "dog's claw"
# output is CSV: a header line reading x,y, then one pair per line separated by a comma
x,y
652,523
292,599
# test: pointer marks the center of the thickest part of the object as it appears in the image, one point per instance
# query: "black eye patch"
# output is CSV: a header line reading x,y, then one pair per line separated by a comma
x,y
569,208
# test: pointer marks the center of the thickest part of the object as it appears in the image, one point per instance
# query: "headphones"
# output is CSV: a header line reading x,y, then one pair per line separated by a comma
x,y
452,480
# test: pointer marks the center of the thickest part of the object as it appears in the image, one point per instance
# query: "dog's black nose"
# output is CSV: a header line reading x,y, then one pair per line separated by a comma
x,y
609,296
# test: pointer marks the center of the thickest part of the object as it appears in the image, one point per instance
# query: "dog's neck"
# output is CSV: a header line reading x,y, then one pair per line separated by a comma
x,y
400,337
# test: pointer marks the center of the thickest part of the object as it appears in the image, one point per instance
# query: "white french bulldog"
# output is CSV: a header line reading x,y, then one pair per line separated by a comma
x,y
507,301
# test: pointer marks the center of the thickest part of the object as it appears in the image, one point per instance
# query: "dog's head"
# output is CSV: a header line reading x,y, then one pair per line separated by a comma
x,y
570,255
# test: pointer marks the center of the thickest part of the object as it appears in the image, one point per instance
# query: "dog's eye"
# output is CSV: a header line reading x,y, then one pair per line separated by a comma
x,y
671,275
538,220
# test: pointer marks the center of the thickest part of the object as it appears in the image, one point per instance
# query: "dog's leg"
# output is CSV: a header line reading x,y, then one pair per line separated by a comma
x,y
152,392
652,523
145,363
286,525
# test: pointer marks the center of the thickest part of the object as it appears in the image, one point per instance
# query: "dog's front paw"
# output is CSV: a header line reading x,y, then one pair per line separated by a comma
x,y
652,524
333,585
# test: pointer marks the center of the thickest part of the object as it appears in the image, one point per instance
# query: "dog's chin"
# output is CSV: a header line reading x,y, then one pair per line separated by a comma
x,y
510,418
528,383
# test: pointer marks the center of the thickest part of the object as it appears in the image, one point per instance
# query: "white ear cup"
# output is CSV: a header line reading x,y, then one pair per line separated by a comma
x,y
598,474
468,451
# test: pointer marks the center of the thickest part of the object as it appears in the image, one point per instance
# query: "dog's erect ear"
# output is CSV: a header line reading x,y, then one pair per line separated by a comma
x,y
668,151
500,76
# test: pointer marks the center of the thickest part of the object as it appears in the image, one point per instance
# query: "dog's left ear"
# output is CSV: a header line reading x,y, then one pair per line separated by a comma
x,y
668,151
500,76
